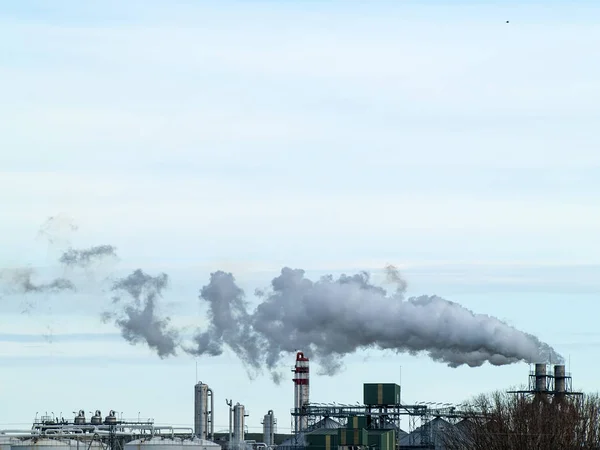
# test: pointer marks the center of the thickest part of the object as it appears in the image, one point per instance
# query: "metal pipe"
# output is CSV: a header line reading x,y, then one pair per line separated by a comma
x,y
229,403
191,430
64,431
116,433
166,427
30,432
130,427
72,428
212,409
21,435
63,434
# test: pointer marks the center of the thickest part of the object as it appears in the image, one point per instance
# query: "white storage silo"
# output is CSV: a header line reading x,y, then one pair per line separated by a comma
x,y
158,443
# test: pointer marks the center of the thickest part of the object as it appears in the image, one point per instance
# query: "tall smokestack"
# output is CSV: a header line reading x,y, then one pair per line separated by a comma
x,y
301,391
559,379
540,378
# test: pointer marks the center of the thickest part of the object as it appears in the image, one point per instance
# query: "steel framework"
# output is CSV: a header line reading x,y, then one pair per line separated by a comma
x,y
547,386
386,417
113,435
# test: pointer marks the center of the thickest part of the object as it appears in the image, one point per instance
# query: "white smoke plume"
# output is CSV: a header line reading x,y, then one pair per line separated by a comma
x,y
328,318
331,318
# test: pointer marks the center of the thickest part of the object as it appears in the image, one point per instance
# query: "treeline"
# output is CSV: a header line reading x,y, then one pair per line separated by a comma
x,y
503,421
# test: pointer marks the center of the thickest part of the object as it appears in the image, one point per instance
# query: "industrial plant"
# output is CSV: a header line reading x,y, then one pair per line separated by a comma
x,y
374,425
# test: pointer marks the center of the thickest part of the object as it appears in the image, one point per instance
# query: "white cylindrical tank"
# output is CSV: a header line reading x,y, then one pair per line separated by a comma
x,y
239,413
158,443
269,428
45,443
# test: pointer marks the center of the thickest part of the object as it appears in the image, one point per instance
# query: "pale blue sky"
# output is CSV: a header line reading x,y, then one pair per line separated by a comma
x,y
330,136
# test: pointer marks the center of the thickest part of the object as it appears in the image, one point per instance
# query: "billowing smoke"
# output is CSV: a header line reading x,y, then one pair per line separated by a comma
x,y
328,319
137,317
86,257
331,318
230,322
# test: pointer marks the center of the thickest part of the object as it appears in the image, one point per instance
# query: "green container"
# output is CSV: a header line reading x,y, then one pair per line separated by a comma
x,y
381,394
352,437
382,439
322,439
358,422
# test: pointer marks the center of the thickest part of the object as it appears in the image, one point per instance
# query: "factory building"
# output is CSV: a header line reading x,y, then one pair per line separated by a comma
x,y
373,425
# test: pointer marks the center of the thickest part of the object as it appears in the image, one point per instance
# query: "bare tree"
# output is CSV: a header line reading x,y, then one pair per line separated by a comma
x,y
503,421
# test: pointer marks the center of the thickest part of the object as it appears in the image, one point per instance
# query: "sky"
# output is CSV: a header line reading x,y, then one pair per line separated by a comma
x,y
329,136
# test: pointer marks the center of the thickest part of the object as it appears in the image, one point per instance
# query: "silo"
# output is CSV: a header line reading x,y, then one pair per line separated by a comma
x,y
269,428
559,378
239,413
203,420
158,443
540,377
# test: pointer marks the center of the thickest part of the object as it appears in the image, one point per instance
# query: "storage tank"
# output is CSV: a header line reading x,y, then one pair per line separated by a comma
x,y
6,442
269,428
204,427
540,377
46,443
559,378
239,413
158,443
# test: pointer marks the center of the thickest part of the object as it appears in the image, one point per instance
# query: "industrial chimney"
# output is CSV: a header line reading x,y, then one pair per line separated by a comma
x,y
301,392
560,379
540,378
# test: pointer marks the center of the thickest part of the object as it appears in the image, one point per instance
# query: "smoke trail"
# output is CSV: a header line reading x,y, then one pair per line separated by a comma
x,y
331,318
138,319
57,230
86,257
20,280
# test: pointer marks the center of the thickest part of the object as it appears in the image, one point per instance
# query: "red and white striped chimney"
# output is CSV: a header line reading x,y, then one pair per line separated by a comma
x,y
301,391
